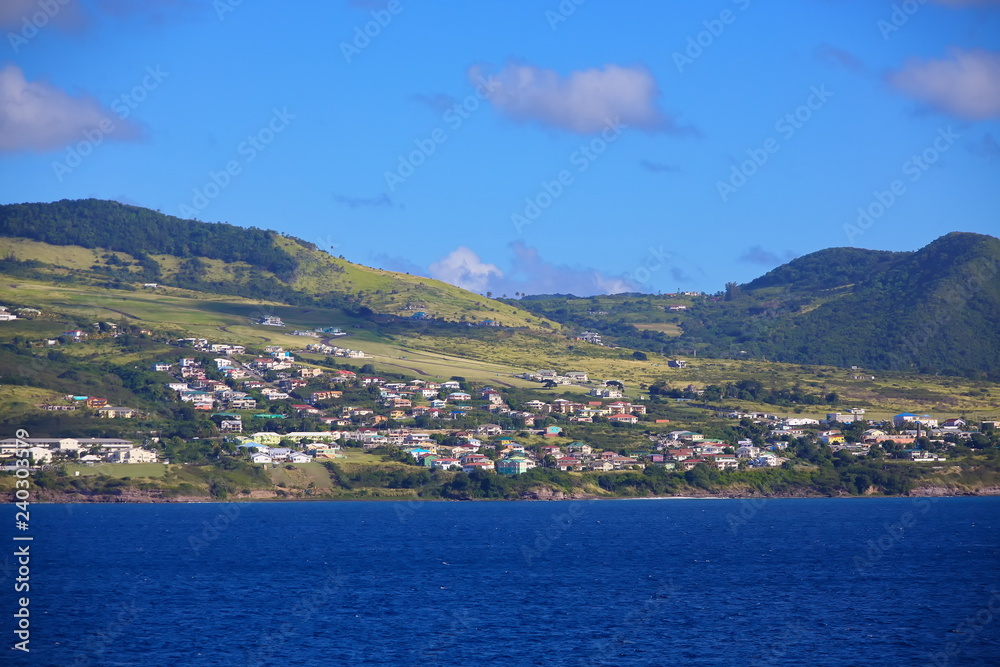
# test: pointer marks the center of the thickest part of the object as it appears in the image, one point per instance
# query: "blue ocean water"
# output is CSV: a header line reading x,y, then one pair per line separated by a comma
x,y
630,582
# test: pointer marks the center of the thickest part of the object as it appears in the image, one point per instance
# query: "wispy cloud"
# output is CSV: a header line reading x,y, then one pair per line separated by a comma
x,y
679,275
583,102
760,255
74,14
529,273
37,116
438,103
966,84
382,200
987,147
833,55
659,167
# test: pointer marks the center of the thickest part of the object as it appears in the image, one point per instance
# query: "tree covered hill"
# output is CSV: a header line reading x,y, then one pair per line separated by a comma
x,y
95,223
936,310
120,246
827,269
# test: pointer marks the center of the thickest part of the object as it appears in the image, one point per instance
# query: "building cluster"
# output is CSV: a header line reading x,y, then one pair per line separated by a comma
x,y
366,410
99,406
570,377
77,450
9,315
335,351
591,337
685,449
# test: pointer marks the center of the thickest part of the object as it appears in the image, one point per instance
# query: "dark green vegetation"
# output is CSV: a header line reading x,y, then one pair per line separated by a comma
x,y
936,310
84,263
129,246
214,473
140,232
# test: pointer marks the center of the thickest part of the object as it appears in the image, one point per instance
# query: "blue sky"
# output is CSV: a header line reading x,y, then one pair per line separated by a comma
x,y
595,146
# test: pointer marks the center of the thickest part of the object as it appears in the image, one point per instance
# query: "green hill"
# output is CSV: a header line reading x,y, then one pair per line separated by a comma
x,y
103,242
828,269
936,310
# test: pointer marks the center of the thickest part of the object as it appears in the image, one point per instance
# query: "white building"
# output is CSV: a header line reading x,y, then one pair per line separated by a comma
x,y
134,455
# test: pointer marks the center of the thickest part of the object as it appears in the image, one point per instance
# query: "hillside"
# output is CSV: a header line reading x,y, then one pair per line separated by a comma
x,y
827,269
936,310
106,243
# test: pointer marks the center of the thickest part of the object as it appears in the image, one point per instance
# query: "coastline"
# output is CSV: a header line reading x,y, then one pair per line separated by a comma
x,y
140,497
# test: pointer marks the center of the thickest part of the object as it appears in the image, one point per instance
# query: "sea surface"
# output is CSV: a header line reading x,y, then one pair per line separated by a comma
x,y
630,582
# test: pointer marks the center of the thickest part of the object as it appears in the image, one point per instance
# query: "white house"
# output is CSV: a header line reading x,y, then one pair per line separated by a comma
x,y
134,455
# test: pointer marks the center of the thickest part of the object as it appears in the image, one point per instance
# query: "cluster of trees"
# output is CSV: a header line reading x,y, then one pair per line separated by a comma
x,y
95,223
749,390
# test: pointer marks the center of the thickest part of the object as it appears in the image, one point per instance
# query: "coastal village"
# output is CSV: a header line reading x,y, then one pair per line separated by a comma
x,y
456,425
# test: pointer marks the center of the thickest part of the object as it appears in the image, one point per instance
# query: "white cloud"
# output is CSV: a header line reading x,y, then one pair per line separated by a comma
x,y
40,117
532,274
967,84
462,267
529,273
584,102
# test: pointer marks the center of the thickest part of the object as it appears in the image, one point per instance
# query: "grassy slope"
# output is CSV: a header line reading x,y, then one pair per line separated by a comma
x,y
488,355
319,273
397,291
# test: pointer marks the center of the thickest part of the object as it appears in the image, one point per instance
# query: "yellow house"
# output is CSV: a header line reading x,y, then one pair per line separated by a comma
x,y
110,412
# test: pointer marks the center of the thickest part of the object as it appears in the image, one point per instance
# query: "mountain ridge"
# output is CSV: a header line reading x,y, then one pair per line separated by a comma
x,y
933,310
132,244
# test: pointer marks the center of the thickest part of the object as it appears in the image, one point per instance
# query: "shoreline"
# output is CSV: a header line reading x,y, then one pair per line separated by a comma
x,y
146,499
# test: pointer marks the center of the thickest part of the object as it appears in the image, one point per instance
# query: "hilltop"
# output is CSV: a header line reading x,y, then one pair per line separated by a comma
x,y
936,310
106,243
